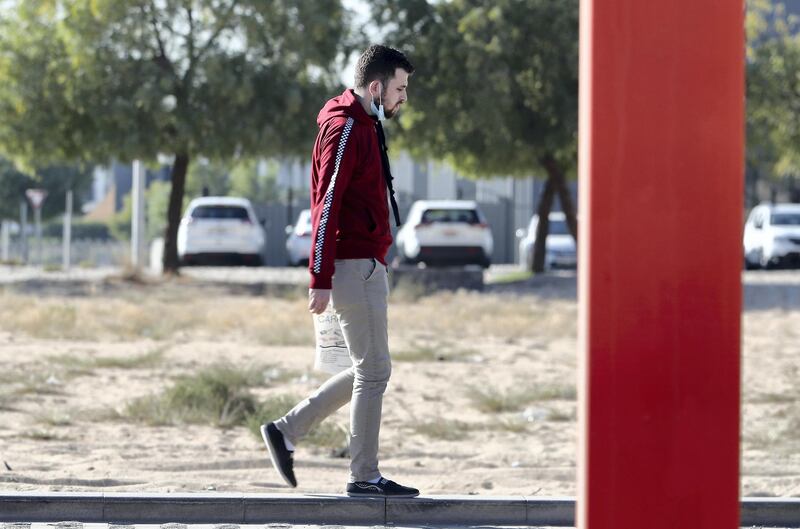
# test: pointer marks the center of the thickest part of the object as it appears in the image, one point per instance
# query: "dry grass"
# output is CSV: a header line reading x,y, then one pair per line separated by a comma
x,y
524,397
44,435
87,364
328,434
158,317
491,400
169,312
444,430
54,418
432,352
217,395
513,425
476,315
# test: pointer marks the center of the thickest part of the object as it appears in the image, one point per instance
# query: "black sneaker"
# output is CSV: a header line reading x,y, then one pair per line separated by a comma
x,y
282,459
382,489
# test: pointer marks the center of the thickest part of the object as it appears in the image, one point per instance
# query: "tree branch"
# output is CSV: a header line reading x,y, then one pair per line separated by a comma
x,y
190,36
220,28
161,59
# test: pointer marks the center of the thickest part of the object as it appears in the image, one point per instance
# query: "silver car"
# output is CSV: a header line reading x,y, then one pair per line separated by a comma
x,y
298,242
560,249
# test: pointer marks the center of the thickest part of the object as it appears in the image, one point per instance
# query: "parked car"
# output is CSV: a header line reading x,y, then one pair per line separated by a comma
x,y
298,242
445,232
560,249
772,236
220,230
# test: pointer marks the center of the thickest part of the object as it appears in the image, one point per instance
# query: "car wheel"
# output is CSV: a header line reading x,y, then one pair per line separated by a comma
x,y
765,263
404,259
254,260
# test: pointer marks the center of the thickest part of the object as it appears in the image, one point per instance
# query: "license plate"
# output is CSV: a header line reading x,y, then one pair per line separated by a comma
x,y
449,233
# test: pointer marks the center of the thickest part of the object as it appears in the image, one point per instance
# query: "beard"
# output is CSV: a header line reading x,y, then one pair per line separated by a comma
x,y
393,112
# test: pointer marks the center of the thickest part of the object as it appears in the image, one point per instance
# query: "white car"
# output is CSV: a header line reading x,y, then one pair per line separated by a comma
x,y
772,236
560,249
298,242
445,232
220,230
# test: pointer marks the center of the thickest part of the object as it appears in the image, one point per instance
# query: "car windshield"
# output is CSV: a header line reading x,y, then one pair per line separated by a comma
x,y
220,212
469,216
785,219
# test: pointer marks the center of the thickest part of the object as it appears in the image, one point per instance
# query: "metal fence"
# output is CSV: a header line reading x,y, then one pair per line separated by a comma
x,y
83,252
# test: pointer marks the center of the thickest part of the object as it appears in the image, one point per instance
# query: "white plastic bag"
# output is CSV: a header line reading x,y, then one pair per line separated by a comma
x,y
332,355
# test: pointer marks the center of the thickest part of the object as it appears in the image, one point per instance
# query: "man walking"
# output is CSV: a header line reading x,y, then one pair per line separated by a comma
x,y
351,186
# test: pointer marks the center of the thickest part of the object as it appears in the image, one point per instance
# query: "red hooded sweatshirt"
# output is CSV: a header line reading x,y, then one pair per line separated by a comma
x,y
349,204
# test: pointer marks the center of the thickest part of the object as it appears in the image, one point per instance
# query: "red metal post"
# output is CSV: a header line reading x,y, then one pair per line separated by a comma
x,y
661,170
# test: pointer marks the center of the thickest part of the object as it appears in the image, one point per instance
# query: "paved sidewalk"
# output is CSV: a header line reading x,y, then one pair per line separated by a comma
x,y
73,525
294,510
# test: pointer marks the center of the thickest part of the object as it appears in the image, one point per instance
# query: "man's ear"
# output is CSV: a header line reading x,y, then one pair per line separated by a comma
x,y
376,88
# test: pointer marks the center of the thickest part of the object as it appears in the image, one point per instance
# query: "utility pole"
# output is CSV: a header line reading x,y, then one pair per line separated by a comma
x,y
138,237
23,228
37,196
5,242
67,233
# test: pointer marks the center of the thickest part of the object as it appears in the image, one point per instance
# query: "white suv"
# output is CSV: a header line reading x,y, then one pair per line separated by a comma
x,y
445,232
772,236
220,230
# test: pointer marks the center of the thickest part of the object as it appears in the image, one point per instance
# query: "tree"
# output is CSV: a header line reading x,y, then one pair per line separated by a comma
x,y
56,179
247,177
773,92
157,202
256,180
95,79
496,89
208,176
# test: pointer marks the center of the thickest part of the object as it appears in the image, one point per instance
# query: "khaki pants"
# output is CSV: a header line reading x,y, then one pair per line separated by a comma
x,y
359,297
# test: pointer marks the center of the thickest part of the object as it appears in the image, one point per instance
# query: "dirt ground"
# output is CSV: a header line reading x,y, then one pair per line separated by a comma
x,y
481,401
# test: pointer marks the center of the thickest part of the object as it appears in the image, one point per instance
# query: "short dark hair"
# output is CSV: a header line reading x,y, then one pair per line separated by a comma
x,y
380,63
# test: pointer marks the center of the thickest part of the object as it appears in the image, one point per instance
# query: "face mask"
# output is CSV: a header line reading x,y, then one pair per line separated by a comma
x,y
378,111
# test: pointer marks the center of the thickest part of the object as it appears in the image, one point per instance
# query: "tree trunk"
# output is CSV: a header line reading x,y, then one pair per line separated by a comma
x,y
178,177
555,173
543,226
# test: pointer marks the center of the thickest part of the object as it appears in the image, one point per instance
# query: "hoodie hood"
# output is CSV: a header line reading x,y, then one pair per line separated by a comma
x,y
346,105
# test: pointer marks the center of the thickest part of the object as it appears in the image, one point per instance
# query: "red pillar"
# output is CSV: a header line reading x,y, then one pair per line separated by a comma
x,y
661,165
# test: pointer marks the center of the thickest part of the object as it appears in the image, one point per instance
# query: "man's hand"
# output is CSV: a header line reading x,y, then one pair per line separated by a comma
x,y
318,300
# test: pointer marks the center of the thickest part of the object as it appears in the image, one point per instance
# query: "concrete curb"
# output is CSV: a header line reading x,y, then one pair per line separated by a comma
x,y
207,508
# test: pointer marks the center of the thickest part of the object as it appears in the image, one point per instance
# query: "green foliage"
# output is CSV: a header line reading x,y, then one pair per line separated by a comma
x,y
80,230
246,177
89,79
102,79
773,90
210,175
258,183
156,200
57,180
496,85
